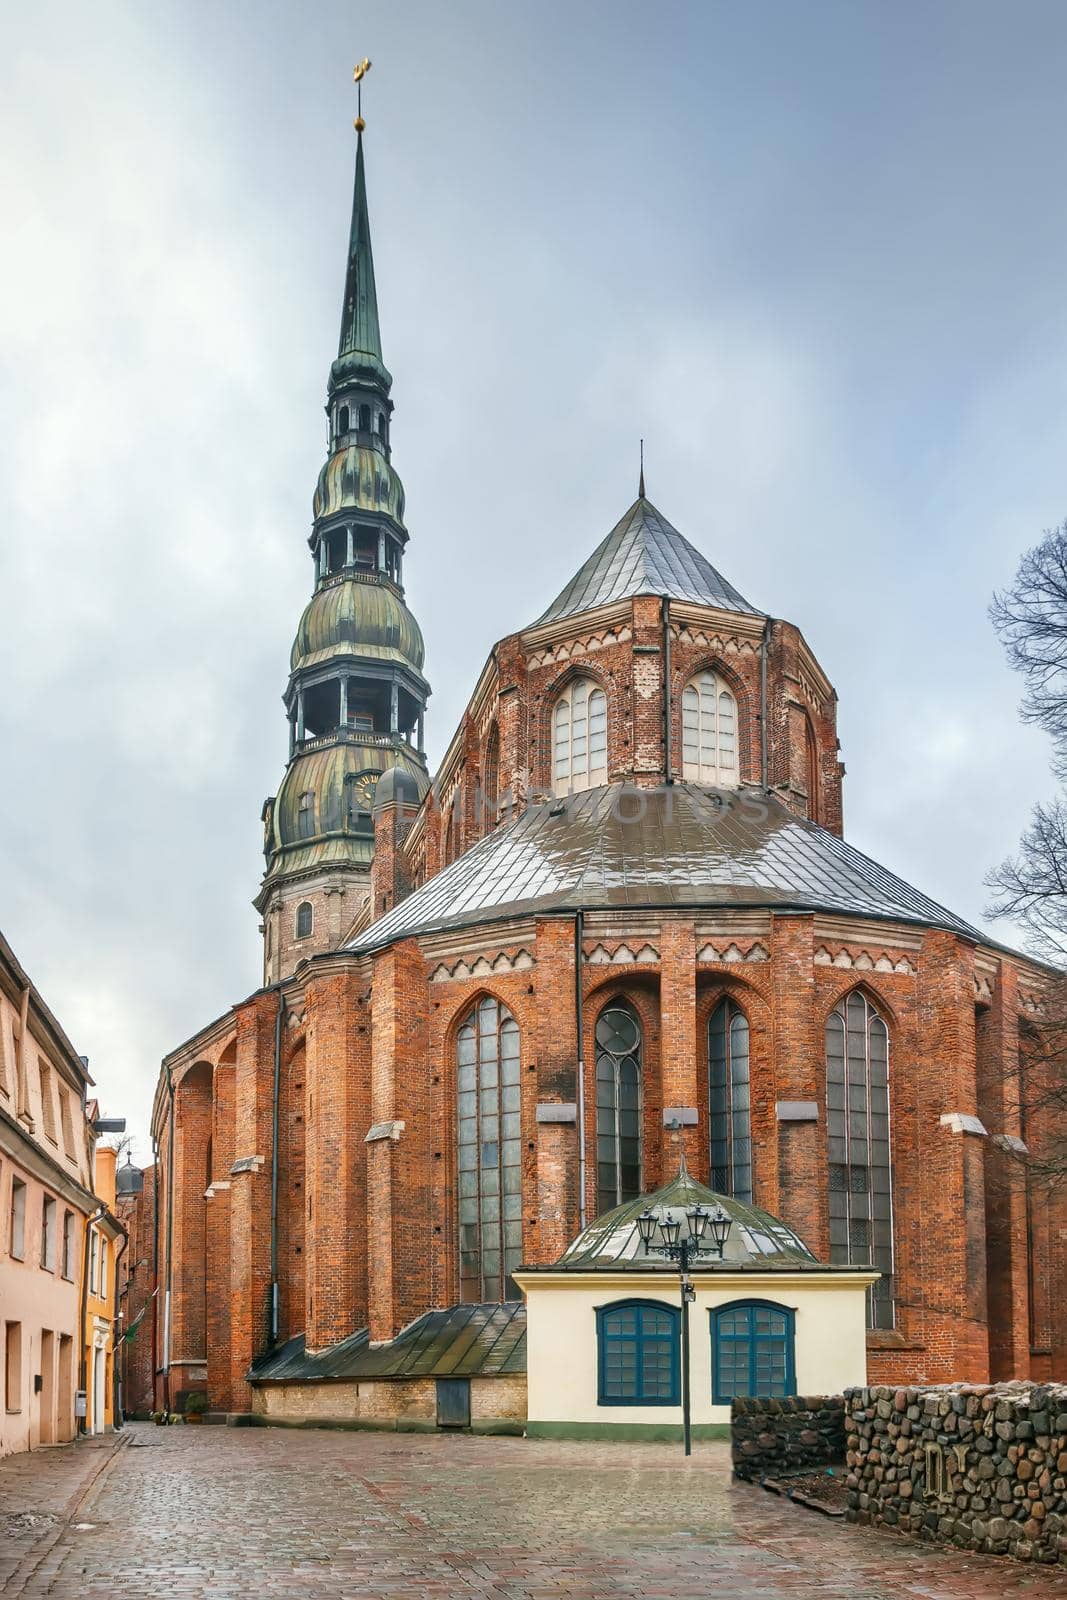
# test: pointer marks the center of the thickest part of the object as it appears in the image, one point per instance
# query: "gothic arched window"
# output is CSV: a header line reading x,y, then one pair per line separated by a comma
x,y
489,1153
305,919
728,1102
857,1127
618,1105
490,798
811,755
580,737
709,732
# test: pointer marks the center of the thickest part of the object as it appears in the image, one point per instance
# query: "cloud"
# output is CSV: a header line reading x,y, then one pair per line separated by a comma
x,y
787,251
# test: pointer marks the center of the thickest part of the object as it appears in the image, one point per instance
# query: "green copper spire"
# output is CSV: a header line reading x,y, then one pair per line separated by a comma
x,y
360,333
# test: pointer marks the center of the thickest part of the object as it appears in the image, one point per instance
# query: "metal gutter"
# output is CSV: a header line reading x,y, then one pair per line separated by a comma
x,y
579,1029
665,617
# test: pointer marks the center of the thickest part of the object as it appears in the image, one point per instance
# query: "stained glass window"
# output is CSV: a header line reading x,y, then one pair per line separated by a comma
x,y
638,1354
618,1105
752,1351
709,732
857,1126
580,738
728,1102
489,1152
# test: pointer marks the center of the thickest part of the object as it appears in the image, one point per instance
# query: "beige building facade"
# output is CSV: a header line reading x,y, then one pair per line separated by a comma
x,y
46,1201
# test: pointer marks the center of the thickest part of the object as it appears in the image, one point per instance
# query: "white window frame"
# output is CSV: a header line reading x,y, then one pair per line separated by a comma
x,y
710,732
580,737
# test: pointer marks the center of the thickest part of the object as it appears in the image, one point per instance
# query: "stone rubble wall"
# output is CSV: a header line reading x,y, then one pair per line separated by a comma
x,y
771,1437
980,1466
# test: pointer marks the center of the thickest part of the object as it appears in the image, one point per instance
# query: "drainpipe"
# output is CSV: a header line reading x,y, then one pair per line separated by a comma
x,y
170,1240
579,1027
274,1317
764,642
665,616
155,1266
83,1364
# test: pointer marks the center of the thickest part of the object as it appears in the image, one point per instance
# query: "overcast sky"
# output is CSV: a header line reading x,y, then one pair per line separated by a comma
x,y
812,252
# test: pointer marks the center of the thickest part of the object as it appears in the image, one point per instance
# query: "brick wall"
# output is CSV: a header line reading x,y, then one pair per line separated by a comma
x,y
136,1282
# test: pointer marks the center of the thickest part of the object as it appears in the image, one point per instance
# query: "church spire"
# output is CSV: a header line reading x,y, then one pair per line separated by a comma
x,y
360,333
356,693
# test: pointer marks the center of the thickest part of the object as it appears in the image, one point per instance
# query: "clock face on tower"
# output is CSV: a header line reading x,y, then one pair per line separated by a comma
x,y
364,787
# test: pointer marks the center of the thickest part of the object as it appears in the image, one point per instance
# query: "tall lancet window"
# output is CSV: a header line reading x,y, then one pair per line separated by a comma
x,y
728,1102
490,797
580,737
490,1153
619,1048
709,732
857,1127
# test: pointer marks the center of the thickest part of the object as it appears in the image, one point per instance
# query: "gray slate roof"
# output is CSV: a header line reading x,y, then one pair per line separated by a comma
x,y
619,846
463,1341
644,554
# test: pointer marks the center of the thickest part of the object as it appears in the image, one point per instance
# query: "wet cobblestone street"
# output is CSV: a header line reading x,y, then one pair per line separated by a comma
x,y
192,1513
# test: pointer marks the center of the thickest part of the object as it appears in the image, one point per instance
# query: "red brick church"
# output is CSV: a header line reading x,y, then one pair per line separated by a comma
x,y
623,906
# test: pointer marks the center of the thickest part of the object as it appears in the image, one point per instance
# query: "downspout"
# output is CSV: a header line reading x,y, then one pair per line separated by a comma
x,y
155,1266
274,1316
170,1241
764,641
579,1028
665,615
83,1364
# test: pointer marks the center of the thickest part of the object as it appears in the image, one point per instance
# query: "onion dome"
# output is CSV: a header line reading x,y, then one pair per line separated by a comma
x,y
358,478
357,618
129,1179
397,787
756,1240
323,809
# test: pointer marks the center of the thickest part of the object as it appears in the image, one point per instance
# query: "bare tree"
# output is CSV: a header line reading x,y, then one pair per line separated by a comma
x,y
1031,619
1031,886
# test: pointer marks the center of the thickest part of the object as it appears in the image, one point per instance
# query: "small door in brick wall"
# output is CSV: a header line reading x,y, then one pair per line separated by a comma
x,y
453,1402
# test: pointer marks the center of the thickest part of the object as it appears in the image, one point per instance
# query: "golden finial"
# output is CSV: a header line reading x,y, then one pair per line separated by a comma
x,y
358,75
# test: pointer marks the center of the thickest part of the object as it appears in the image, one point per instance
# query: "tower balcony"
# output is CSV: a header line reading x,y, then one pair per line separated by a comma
x,y
376,741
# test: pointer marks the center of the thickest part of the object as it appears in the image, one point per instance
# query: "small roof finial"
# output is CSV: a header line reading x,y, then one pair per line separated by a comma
x,y
641,479
358,75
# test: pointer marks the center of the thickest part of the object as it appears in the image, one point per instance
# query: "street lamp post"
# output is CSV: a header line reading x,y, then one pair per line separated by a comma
x,y
705,1235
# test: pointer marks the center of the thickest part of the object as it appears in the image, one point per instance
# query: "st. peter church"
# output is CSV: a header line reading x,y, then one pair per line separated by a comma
x,y
614,956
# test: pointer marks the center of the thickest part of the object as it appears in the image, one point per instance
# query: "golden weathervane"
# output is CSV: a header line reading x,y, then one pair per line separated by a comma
x,y
358,75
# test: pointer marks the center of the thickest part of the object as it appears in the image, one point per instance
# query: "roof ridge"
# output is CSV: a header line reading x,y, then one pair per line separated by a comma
x,y
644,553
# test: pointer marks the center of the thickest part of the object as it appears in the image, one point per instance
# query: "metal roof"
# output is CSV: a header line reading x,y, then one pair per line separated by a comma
x,y
674,846
644,554
756,1241
463,1341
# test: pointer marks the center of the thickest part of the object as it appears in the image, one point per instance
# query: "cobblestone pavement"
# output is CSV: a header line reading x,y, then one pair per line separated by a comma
x,y
223,1513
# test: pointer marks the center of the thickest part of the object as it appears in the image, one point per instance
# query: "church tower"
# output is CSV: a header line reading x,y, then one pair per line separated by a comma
x,y
356,694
